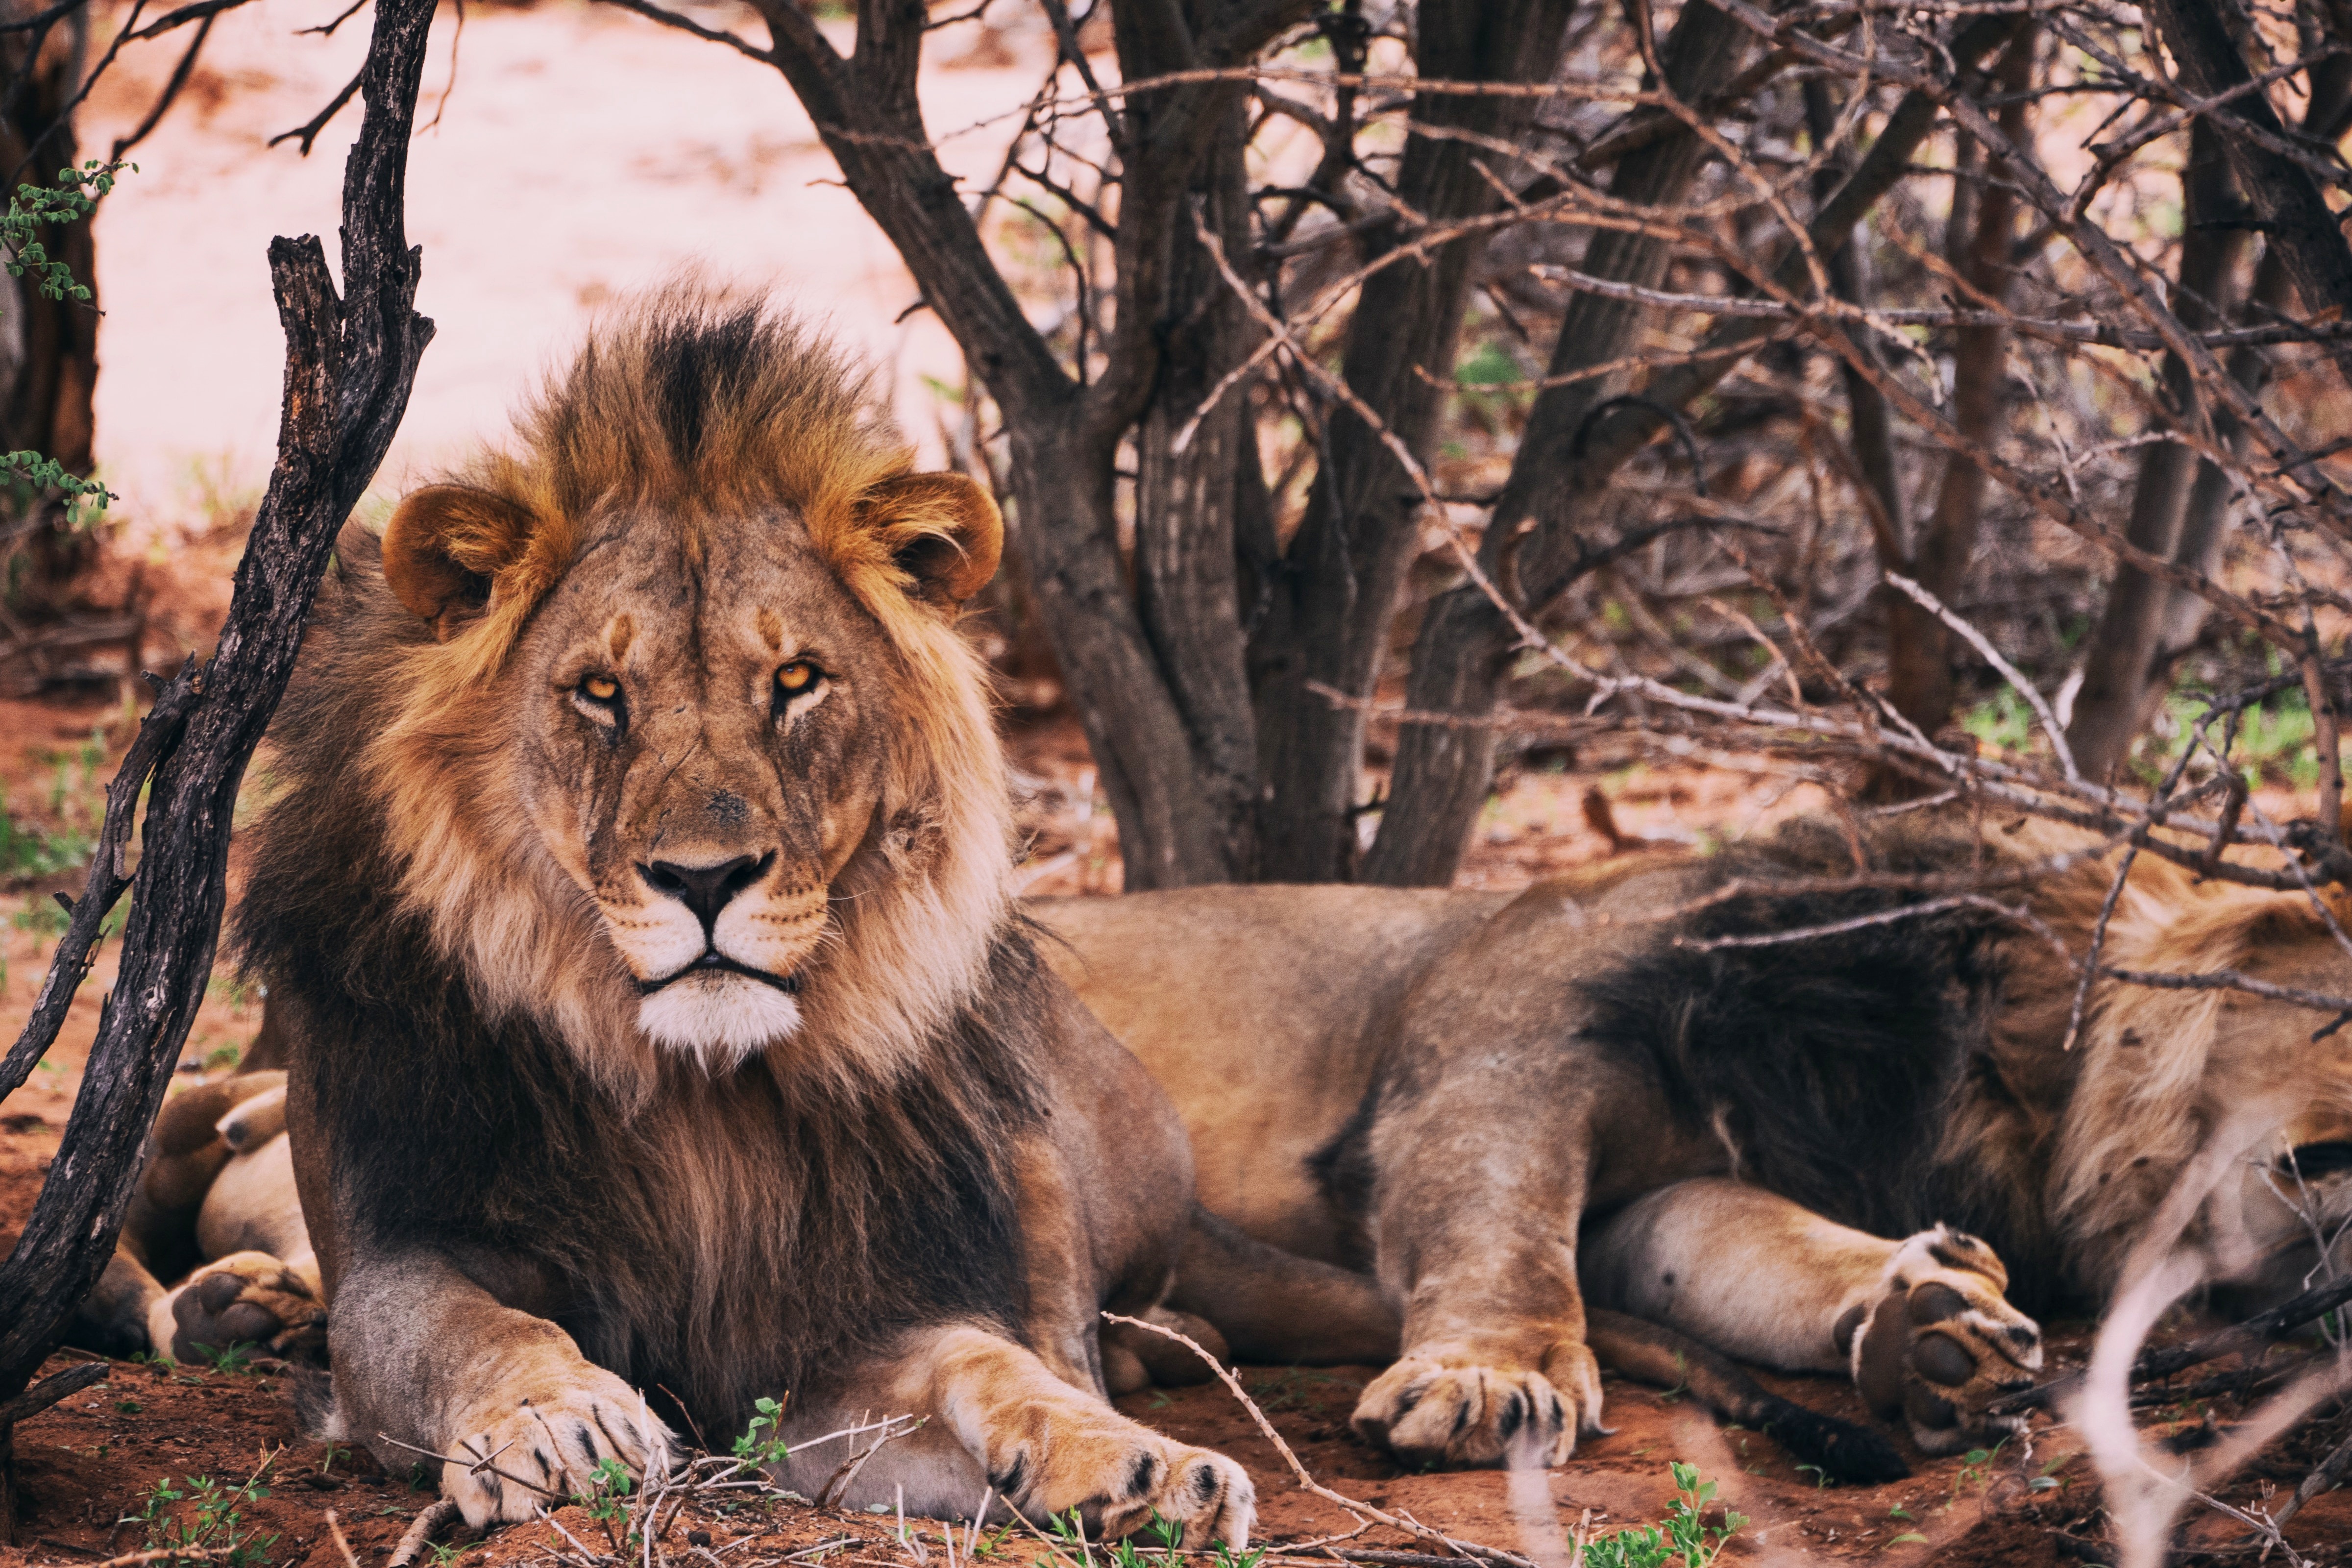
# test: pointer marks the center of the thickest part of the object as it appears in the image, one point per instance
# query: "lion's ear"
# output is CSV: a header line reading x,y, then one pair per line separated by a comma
x,y
444,545
942,530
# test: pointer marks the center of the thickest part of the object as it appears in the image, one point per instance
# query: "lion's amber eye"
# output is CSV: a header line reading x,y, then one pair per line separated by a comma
x,y
599,687
796,678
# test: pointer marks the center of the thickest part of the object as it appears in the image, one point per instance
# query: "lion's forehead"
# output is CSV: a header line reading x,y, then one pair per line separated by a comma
x,y
677,601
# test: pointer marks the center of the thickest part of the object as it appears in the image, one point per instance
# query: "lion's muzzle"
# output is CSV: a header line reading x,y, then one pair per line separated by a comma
x,y
717,947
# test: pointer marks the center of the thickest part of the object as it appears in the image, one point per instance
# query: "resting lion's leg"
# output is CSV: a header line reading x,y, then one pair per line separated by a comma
x,y
262,1286
1478,1245
1921,1324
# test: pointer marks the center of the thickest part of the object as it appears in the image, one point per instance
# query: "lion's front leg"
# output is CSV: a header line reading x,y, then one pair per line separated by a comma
x,y
1048,1447
1921,1324
425,1357
1476,1242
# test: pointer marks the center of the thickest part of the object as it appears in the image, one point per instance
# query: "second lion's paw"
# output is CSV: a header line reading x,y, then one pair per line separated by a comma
x,y
1942,1344
1468,1406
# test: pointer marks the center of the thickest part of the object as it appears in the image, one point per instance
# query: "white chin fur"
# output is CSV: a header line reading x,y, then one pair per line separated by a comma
x,y
719,1019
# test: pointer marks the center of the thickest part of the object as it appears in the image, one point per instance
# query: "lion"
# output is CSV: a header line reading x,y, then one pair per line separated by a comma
x,y
660,1035
1643,1089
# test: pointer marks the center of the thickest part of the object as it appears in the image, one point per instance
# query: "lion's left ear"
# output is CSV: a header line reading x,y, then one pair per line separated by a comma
x,y
942,530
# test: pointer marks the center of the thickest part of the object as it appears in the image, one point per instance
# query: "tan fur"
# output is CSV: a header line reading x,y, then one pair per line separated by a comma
x,y
1268,1011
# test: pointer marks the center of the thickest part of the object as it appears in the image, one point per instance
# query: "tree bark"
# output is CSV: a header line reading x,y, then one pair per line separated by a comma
x,y
1331,604
350,365
1462,653
1439,768
2147,624
1187,563
2120,661
1870,435
1064,436
1919,679
2284,198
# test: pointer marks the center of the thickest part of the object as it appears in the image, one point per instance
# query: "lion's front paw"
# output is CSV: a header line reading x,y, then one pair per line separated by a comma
x,y
245,1299
1121,1474
1941,1343
1458,1404
542,1441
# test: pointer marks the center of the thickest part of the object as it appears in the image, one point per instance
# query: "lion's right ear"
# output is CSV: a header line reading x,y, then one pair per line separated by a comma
x,y
444,545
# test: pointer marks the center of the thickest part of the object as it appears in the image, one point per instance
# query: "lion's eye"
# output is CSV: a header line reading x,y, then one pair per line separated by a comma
x,y
599,687
796,678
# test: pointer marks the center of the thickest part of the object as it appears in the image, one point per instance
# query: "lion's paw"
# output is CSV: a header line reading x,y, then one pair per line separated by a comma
x,y
1460,1406
1941,1343
1121,1474
544,1446
245,1299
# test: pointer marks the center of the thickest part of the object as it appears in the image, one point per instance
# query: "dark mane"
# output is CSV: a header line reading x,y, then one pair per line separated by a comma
x,y
725,1239
1834,1065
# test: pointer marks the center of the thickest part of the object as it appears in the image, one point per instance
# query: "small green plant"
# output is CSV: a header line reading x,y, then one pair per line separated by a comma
x,y
1169,1533
213,1529
127,1406
609,1485
446,1555
1684,1533
73,198
226,1358
1224,1556
1822,1478
334,1451
756,1451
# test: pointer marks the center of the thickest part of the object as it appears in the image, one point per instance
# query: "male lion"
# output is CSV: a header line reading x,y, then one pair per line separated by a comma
x,y
631,898
1624,1090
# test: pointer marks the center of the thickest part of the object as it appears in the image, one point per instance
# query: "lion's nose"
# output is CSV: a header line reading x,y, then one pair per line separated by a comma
x,y
705,889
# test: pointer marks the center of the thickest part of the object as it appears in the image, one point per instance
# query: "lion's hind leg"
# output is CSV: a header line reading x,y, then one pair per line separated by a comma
x,y
1921,1324
1844,1451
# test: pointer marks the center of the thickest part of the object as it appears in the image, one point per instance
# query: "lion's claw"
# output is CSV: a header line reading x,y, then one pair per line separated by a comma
x,y
1459,1406
546,1446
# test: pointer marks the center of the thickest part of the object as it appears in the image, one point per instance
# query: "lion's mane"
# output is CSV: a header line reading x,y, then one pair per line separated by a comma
x,y
1897,1073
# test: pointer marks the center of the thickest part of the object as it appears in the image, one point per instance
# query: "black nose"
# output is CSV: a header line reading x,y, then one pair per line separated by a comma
x,y
705,889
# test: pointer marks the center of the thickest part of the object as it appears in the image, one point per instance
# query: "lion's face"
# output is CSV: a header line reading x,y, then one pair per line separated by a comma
x,y
697,773
701,720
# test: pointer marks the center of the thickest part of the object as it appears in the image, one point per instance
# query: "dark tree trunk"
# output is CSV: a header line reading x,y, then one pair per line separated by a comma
x,y
1870,435
2120,662
1441,773
2147,624
49,348
1462,653
1186,559
1919,679
1178,823
2284,199
350,365
1333,600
